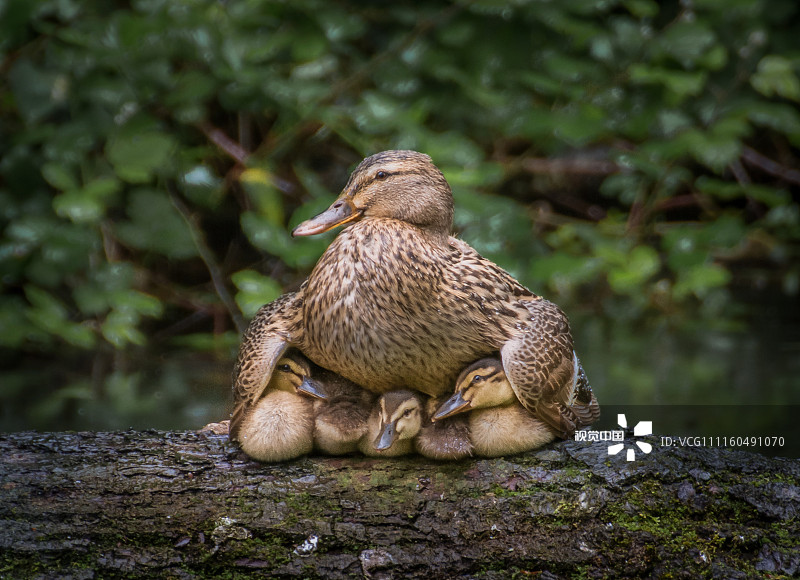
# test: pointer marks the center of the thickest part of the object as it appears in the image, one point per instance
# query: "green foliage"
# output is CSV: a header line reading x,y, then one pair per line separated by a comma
x,y
630,156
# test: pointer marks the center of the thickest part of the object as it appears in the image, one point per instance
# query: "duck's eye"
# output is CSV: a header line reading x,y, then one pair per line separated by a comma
x,y
284,368
381,175
477,379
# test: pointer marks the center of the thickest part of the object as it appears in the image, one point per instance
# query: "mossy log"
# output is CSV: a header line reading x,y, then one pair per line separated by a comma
x,y
187,505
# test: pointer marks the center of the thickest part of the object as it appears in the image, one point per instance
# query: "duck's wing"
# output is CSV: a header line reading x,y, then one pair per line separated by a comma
x,y
482,279
267,337
582,401
541,365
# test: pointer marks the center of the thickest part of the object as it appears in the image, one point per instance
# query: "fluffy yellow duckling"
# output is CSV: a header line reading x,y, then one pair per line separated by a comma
x,y
341,412
498,424
400,424
280,424
395,421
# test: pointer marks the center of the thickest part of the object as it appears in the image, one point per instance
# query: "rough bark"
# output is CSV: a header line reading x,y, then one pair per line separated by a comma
x,y
186,505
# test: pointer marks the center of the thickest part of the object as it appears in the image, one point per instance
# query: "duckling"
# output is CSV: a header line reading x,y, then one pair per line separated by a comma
x,y
395,420
395,301
484,384
341,412
280,425
498,424
268,336
400,424
445,439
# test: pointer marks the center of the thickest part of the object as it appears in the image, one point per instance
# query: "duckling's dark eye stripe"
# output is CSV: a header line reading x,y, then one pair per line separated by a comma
x,y
488,374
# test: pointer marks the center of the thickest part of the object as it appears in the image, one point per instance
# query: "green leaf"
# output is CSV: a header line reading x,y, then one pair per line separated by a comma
x,y
155,225
700,280
685,248
776,76
264,195
37,92
309,43
15,325
641,263
88,204
51,315
716,151
119,328
680,83
687,41
137,156
564,272
296,252
642,8
255,290
779,117
142,303
59,176
202,186
725,190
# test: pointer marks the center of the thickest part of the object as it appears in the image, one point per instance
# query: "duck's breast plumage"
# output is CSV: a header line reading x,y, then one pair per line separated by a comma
x,y
382,309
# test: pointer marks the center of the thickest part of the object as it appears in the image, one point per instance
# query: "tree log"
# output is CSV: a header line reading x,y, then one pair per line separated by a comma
x,y
190,504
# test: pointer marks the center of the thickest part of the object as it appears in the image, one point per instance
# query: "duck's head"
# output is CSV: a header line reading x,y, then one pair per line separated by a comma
x,y
399,414
401,185
293,374
482,384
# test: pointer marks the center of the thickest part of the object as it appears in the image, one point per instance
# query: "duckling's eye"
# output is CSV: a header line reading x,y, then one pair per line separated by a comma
x,y
284,368
381,175
407,413
477,379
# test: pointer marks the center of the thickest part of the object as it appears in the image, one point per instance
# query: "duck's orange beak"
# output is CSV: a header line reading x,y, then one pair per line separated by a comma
x,y
341,212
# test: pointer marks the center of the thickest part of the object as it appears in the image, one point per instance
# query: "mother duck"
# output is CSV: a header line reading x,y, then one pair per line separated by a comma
x,y
396,302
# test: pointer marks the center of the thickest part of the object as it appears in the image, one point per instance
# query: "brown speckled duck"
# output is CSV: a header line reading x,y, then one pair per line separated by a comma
x,y
395,301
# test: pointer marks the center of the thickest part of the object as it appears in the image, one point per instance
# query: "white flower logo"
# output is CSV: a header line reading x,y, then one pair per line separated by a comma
x,y
642,428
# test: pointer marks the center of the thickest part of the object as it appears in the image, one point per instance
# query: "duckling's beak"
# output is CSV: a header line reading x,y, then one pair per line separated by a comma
x,y
452,406
341,212
311,388
387,437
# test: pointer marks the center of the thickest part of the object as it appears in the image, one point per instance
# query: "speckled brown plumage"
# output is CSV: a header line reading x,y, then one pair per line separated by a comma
x,y
396,302
383,314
